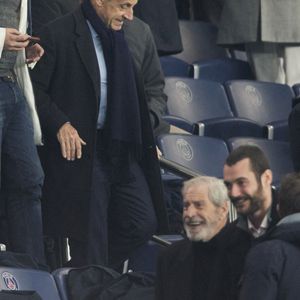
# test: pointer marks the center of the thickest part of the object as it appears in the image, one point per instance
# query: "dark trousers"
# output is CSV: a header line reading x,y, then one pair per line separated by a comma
x,y
121,219
21,174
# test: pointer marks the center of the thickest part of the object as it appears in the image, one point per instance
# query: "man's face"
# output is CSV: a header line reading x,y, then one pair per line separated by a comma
x,y
244,191
114,12
202,220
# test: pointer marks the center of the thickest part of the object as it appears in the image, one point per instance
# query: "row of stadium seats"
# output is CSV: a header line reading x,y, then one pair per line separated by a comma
x,y
217,69
206,155
237,108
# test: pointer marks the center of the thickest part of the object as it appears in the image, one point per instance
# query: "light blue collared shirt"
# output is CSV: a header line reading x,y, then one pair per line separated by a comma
x,y
103,76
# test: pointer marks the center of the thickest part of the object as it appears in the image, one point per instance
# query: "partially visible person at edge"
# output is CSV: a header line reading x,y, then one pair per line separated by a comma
x,y
272,268
21,172
269,32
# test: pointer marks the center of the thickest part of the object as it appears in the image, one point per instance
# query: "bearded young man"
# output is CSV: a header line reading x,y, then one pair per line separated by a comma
x,y
21,175
208,264
248,178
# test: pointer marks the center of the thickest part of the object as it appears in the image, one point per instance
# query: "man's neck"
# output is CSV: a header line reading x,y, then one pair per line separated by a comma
x,y
257,217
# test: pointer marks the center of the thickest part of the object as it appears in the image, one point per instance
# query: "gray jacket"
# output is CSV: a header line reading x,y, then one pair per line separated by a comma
x,y
240,21
142,48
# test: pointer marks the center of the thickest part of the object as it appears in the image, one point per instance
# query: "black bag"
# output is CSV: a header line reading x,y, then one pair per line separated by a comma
x,y
100,283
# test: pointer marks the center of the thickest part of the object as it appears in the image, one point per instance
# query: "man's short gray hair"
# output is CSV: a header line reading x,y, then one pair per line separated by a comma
x,y
217,191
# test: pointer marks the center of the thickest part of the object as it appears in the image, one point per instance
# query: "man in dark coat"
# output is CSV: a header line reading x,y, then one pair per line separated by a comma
x,y
208,10
141,46
99,149
208,264
161,16
272,268
44,11
248,178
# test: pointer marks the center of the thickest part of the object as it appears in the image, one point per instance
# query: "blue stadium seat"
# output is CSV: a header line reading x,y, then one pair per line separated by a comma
x,y
20,279
266,103
278,153
173,66
199,41
204,155
201,107
222,69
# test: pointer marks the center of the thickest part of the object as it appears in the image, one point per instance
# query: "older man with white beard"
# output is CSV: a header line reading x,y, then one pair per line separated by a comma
x,y
208,263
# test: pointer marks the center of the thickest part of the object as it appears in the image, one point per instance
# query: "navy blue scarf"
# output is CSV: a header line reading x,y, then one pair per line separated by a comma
x,y
123,122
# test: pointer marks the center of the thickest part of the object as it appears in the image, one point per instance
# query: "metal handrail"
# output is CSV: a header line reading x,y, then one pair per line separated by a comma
x,y
178,169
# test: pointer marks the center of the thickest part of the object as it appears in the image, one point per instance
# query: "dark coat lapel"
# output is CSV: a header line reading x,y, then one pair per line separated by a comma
x,y
85,46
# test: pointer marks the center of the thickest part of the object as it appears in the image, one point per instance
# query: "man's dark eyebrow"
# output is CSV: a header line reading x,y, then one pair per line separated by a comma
x,y
226,182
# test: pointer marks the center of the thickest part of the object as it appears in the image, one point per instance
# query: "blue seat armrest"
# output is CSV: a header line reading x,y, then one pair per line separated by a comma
x,y
225,128
278,130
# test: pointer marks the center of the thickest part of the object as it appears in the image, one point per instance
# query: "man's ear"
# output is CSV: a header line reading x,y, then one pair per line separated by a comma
x,y
267,177
99,3
224,209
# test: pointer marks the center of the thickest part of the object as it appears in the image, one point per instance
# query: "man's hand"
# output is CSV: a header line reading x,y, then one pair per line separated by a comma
x,y
15,40
70,142
175,129
34,53
158,152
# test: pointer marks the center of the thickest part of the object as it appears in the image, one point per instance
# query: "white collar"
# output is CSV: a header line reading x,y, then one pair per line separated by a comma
x,y
257,232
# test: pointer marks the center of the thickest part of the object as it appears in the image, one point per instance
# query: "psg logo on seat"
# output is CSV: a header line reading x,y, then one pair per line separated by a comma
x,y
10,281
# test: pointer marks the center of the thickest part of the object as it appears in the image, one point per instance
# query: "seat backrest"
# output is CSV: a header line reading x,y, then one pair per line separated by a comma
x,y
204,155
222,69
60,275
199,41
144,259
173,66
29,280
262,102
277,152
196,100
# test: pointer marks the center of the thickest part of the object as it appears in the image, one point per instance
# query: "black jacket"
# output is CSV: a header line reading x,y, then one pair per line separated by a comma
x,y
185,265
161,16
44,11
272,268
